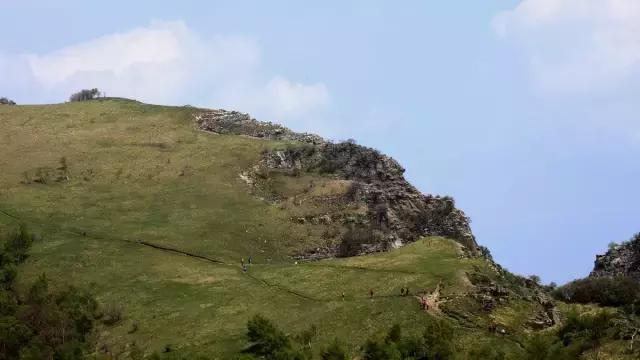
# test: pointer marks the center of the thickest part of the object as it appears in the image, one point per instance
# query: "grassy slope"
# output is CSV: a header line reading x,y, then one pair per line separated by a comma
x,y
142,172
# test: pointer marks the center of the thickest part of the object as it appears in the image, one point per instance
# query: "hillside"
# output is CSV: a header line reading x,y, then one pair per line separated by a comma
x,y
153,209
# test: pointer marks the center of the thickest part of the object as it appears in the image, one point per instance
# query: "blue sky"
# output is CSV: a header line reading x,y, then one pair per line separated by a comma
x,y
525,112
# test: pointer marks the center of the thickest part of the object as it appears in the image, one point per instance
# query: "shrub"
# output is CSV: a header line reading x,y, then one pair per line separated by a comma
x,y
376,349
535,278
579,334
545,347
606,291
5,101
438,339
265,338
486,352
85,95
43,324
17,244
335,351
485,252
112,314
582,332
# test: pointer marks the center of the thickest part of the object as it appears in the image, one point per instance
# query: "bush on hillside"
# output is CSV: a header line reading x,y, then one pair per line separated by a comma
x,y
266,341
112,313
43,324
85,95
16,246
335,351
605,291
580,334
435,343
5,101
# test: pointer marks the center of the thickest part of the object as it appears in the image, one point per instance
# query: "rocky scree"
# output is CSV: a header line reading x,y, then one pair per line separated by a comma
x,y
397,212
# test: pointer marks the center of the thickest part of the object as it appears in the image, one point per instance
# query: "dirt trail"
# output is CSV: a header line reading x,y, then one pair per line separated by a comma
x,y
430,302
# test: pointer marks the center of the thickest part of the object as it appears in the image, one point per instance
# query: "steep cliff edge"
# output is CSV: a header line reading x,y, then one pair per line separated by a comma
x,y
620,260
396,212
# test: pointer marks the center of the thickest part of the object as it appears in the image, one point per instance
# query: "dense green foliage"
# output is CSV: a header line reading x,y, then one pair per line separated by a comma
x,y
43,324
267,341
335,351
605,291
584,333
84,95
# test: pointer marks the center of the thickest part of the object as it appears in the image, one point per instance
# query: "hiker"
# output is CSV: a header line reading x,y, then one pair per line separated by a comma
x,y
244,268
402,291
242,262
371,293
249,260
406,291
343,296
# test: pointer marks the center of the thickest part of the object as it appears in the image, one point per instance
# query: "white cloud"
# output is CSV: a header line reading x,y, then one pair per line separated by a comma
x,y
294,98
166,62
574,46
277,98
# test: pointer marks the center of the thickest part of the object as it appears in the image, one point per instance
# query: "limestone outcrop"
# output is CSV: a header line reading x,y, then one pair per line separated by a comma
x,y
397,211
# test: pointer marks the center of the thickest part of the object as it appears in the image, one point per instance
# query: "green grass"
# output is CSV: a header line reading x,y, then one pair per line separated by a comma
x,y
143,173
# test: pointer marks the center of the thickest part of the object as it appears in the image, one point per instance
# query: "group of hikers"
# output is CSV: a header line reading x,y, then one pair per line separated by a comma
x,y
404,291
424,304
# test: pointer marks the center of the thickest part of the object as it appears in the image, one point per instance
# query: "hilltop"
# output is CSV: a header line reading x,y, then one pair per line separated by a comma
x,y
156,209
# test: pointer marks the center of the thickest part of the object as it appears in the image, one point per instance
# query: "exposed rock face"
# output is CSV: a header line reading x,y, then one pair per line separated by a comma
x,y
237,123
397,211
395,207
621,260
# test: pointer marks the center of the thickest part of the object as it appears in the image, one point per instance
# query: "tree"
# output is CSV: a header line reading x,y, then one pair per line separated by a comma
x,y
267,341
438,339
43,324
535,278
17,245
85,95
5,101
376,349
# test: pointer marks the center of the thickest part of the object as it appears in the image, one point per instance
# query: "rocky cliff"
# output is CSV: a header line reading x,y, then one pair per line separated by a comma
x,y
397,213
620,260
